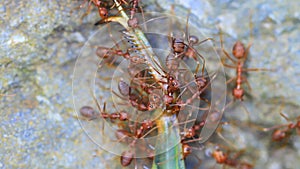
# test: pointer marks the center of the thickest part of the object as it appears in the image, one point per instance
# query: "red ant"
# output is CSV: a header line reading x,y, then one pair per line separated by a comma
x,y
202,84
181,49
224,158
284,131
110,55
90,113
132,21
102,10
188,134
104,52
240,54
123,135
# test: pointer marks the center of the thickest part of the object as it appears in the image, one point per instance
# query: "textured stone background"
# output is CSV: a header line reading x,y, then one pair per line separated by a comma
x,y
39,42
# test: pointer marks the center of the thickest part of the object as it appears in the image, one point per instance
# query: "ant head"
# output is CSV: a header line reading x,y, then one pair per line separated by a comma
x,y
175,83
103,12
133,22
219,156
193,39
190,133
103,52
238,50
123,116
278,135
238,93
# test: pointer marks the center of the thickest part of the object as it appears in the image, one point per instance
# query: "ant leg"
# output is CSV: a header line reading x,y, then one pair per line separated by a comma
x,y
199,161
194,107
170,27
227,105
228,56
202,58
143,15
256,69
78,7
197,69
152,19
151,130
111,36
247,83
284,116
96,101
239,153
223,138
199,43
247,112
187,26
190,141
230,80
88,10
226,65
251,37
271,128
223,49
206,101
247,51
